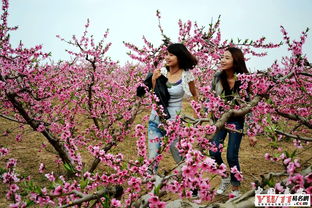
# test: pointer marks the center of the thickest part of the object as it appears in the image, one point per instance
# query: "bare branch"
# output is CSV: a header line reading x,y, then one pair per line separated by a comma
x,y
295,118
12,119
7,58
305,74
199,121
194,121
112,191
293,136
241,112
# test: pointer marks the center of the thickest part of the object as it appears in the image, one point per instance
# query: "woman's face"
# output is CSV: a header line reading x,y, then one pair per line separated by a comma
x,y
226,61
171,60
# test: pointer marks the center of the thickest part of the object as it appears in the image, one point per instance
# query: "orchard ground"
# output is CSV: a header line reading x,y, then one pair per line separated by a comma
x,y
30,153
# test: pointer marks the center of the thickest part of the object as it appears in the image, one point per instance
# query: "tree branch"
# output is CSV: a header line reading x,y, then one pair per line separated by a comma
x,y
294,136
126,125
295,118
58,146
116,192
305,74
199,121
241,112
12,119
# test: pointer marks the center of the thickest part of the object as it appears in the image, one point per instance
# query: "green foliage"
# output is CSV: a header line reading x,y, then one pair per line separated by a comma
x,y
141,159
28,186
291,155
270,131
106,203
69,168
3,170
165,139
83,183
124,165
30,203
271,182
157,189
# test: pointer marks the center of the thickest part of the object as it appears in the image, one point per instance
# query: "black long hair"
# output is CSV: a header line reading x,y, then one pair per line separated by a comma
x,y
239,66
186,60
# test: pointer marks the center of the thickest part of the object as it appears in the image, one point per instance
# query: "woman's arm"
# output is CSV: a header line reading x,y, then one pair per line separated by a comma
x,y
156,75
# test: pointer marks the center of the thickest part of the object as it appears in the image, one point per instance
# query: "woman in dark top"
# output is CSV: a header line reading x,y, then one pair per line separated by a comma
x,y
225,84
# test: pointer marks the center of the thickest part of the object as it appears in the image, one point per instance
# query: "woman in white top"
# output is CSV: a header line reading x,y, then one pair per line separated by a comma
x,y
180,82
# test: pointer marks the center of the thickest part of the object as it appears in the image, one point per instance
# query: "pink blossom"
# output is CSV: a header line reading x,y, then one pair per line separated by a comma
x,y
279,188
41,128
10,177
41,168
11,163
291,168
18,138
187,171
286,161
58,190
115,203
50,176
231,195
297,179
238,175
267,156
14,188
309,190
308,178
153,199
3,151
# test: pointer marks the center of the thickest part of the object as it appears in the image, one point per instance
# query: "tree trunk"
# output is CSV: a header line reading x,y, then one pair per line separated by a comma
x,y
58,146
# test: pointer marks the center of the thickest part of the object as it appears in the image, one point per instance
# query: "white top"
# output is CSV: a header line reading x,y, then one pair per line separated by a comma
x,y
187,76
176,91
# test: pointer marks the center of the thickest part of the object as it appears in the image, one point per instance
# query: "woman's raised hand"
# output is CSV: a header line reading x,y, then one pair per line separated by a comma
x,y
156,74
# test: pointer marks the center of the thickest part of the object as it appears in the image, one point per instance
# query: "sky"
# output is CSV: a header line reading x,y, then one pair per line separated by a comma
x,y
40,21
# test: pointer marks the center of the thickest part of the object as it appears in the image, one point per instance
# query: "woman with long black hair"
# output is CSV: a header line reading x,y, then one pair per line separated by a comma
x,y
226,85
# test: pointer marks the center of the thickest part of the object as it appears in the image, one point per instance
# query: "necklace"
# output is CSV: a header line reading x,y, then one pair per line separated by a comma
x,y
173,73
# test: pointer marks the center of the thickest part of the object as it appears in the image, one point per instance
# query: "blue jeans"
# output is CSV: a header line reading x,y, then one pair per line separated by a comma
x,y
232,149
153,147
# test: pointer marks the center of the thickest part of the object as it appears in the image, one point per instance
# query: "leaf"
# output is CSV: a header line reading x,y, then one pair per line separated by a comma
x,y
3,170
271,182
269,101
105,204
156,190
274,144
84,183
30,203
37,190
293,154
124,165
141,159
69,168
165,139
287,154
